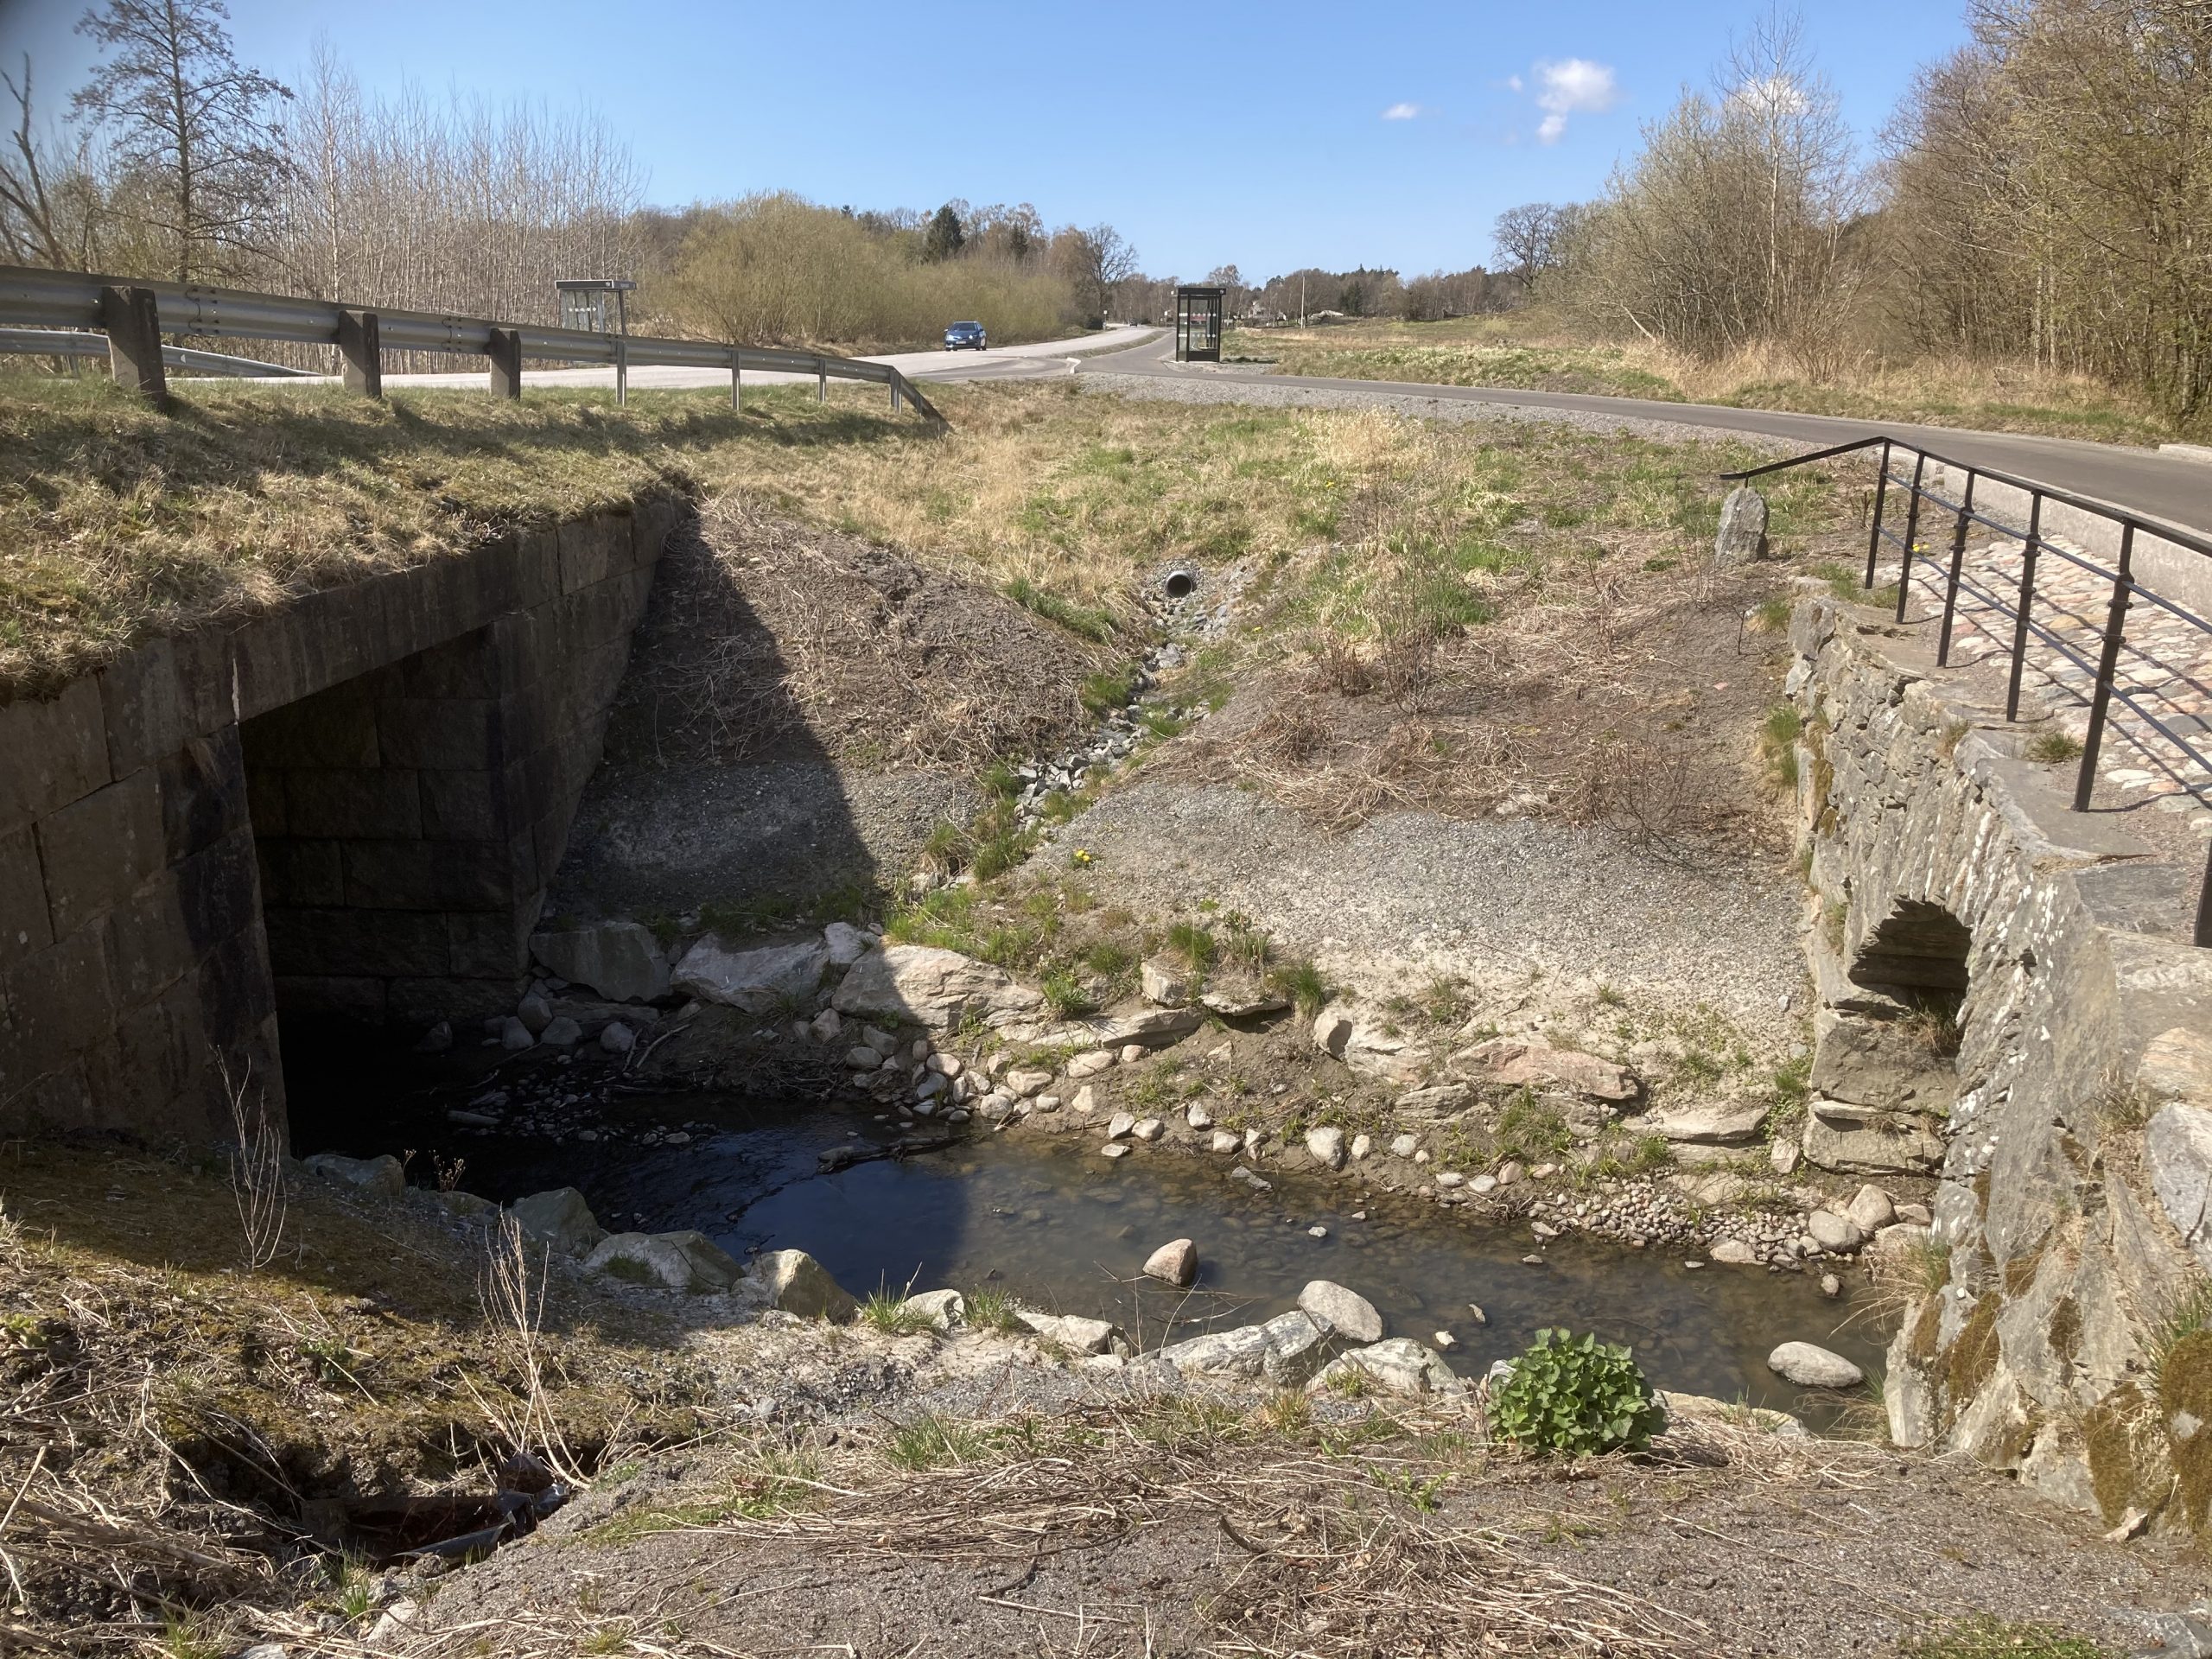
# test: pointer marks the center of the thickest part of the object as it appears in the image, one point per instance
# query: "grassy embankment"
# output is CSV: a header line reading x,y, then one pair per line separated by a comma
x,y
1530,350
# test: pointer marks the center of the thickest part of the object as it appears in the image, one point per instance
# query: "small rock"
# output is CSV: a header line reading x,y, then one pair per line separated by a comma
x,y
1831,1286
383,1176
437,1039
1508,1172
1149,1129
1224,1142
827,1026
1870,1209
881,1041
535,1012
1175,1261
561,1033
945,1309
862,1057
1784,1156
1046,1102
1360,1146
1164,983
617,1037
1812,1366
846,945
1198,1117
1115,1149
1132,1053
1445,1341
1085,1102
1544,1230
1483,1183
1405,1146
1090,1065
561,1218
1078,1335
1119,1125
1734,1252
1317,1233
1475,1313
513,1034
1327,1146
1449,1177
1833,1232
1244,1175
795,1283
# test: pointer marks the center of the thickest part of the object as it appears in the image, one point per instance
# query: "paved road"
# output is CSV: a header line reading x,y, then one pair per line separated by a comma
x,y
2172,487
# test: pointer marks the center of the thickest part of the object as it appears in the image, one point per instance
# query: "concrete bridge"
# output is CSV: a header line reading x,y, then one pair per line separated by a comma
x,y
352,805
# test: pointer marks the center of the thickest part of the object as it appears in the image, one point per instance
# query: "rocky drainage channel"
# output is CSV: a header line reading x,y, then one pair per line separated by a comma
x,y
1332,1340
942,1044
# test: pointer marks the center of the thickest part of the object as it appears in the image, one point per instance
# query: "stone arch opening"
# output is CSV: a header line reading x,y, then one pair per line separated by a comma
x,y
1885,1072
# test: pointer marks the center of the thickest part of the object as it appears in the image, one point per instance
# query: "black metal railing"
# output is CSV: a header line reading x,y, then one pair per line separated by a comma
x,y
2191,735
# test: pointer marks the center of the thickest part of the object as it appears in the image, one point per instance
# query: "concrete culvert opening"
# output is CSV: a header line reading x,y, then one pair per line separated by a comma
x,y
1180,584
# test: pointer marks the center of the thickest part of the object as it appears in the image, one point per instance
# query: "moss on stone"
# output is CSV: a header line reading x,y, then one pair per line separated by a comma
x,y
2020,1271
2109,1443
2185,1403
1974,1352
2064,1331
1926,1326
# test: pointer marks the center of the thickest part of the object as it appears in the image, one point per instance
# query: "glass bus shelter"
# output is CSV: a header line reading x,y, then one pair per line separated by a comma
x,y
1198,312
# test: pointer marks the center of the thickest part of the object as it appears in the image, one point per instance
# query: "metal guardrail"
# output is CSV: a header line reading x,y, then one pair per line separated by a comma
x,y
2125,585
132,315
65,342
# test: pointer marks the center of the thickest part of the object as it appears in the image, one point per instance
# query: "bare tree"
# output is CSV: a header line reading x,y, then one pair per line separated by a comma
x,y
50,206
1095,260
194,126
1525,239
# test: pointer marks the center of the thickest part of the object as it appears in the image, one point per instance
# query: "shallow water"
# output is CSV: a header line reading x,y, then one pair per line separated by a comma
x,y
1050,1220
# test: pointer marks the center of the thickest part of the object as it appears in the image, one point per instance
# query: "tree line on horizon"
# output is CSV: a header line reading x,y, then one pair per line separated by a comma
x,y
2041,195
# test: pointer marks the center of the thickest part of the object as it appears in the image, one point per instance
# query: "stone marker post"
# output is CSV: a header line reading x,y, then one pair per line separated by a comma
x,y
1743,527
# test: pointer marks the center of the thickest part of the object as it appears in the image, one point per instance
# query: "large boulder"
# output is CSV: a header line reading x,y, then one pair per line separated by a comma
x,y
620,960
923,985
1399,1365
1368,1046
2178,1154
1069,1330
1346,1312
945,1309
764,980
1743,527
1812,1366
383,1176
560,1218
1708,1123
1865,1141
1285,1351
1521,1062
682,1260
795,1283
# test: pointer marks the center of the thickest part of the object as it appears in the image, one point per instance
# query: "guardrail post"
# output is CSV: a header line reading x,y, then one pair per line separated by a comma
x,y
736,383
132,319
895,392
2027,601
621,370
2085,783
505,353
821,381
1911,532
1958,559
1874,535
358,345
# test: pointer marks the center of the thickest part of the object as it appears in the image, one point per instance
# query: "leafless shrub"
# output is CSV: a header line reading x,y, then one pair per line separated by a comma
x,y
257,1170
511,1291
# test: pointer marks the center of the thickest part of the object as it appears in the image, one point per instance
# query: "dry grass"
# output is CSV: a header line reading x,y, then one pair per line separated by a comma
x,y
1360,1532
1532,349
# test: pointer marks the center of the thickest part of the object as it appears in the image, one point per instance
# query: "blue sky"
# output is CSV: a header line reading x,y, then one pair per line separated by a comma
x,y
1273,136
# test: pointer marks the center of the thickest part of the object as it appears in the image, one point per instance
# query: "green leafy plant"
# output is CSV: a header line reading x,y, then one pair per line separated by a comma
x,y
1578,1395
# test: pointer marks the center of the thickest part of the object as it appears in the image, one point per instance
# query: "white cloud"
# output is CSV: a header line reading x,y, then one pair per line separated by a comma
x,y
1571,86
1769,95
1513,83
1401,113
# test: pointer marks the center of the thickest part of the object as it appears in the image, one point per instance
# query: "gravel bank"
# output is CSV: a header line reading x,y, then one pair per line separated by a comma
x,y
1500,901
1204,389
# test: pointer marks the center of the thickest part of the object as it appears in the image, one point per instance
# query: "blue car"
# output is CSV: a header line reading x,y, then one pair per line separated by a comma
x,y
965,336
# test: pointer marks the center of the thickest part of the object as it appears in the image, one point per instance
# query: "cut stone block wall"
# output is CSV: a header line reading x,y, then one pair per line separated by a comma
x,y
391,766
2053,1263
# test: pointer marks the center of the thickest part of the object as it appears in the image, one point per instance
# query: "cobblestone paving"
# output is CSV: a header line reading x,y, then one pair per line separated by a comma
x,y
2164,668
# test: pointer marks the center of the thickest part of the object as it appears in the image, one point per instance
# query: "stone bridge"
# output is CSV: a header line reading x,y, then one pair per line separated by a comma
x,y
352,805
2009,1001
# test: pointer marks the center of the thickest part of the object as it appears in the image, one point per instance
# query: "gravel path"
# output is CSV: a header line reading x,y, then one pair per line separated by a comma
x,y
1506,903
1204,389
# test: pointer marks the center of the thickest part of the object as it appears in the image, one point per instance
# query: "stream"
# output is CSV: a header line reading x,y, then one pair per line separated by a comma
x,y
1067,1231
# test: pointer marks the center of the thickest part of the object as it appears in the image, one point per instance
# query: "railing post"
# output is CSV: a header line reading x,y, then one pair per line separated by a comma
x,y
132,319
821,381
1911,532
1958,559
505,353
2027,602
2204,906
2107,666
1874,535
358,344
895,392
736,380
621,370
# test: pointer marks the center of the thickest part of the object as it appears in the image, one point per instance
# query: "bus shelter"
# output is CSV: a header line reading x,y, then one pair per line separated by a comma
x,y
1199,313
